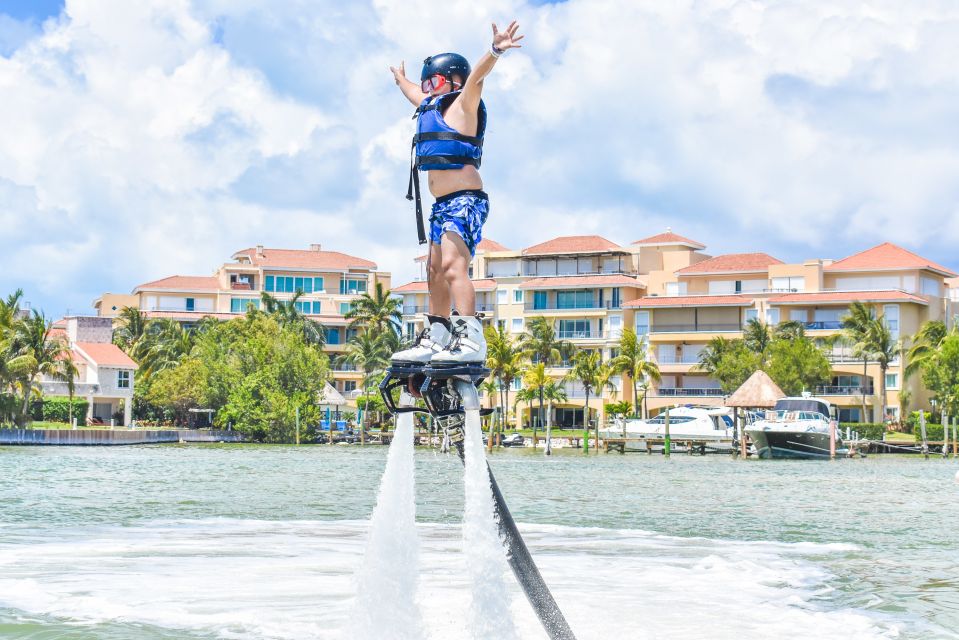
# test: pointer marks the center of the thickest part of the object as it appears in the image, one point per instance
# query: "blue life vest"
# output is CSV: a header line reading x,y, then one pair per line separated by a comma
x,y
438,147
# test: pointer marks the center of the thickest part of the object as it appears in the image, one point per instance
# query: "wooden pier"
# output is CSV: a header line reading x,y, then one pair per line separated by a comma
x,y
692,446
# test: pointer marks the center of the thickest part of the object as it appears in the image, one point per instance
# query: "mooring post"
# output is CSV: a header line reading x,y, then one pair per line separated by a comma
x,y
922,433
666,439
297,424
945,439
832,438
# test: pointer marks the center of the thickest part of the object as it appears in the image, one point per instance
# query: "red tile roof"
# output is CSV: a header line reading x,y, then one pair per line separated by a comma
x,y
490,245
732,263
572,244
689,301
106,354
305,259
670,238
840,297
887,256
603,280
190,283
421,286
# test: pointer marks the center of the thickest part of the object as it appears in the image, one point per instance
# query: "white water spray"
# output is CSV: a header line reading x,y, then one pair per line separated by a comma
x,y
386,584
489,615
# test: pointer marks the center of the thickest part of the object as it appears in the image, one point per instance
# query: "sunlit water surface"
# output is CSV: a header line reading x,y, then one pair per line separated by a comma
x,y
208,541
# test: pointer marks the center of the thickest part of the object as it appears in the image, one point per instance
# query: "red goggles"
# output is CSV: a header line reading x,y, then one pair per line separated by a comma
x,y
435,83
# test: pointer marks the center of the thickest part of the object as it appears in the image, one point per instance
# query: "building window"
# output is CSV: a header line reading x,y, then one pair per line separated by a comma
x,y
675,288
318,284
345,308
410,330
270,283
501,325
349,385
352,286
317,307
516,384
240,305
333,335
772,316
540,300
849,415
574,329
890,314
642,323
574,299
190,304
892,380
517,295
892,413
751,314
123,379
303,284
517,325
501,296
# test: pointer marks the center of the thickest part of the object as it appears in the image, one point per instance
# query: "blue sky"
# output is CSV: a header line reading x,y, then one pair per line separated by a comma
x,y
156,137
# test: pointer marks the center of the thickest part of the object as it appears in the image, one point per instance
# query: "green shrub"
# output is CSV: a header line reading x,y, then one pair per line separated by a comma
x,y
933,432
57,409
867,430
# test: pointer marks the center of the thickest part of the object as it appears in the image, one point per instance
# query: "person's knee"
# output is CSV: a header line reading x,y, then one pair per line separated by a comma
x,y
454,267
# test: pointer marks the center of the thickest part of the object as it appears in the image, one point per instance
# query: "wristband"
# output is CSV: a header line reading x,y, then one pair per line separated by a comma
x,y
493,51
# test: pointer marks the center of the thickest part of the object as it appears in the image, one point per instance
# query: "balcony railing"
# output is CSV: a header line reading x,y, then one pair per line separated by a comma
x,y
823,324
80,389
409,309
552,306
344,367
694,328
669,392
674,359
485,306
600,272
855,390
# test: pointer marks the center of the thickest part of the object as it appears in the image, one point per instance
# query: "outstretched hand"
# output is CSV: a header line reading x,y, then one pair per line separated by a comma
x,y
507,39
399,74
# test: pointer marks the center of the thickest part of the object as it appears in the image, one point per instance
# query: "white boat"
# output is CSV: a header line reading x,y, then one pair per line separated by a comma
x,y
795,428
701,424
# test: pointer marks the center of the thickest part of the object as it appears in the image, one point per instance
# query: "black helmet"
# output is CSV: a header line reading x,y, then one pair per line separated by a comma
x,y
446,64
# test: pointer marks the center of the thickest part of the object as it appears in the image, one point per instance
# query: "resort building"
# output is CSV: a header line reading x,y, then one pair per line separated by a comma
x,y
330,282
678,298
105,374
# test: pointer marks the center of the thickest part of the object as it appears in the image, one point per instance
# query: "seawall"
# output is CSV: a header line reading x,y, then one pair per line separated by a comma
x,y
102,437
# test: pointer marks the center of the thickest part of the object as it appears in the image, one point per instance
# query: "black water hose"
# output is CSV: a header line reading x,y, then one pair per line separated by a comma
x,y
521,562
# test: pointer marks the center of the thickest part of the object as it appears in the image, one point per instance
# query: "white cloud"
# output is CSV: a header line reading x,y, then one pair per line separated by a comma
x,y
157,137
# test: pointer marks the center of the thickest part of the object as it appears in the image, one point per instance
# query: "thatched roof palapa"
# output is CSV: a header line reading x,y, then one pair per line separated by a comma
x,y
330,396
759,391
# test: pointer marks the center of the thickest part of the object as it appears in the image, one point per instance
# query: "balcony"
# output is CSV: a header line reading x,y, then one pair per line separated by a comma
x,y
344,367
485,306
552,306
412,309
677,359
821,325
696,328
241,286
856,390
80,389
687,393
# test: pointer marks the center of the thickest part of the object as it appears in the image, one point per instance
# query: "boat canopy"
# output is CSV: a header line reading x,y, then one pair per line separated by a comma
x,y
803,404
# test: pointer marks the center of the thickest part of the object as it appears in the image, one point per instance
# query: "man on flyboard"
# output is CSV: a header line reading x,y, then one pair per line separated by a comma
x,y
451,121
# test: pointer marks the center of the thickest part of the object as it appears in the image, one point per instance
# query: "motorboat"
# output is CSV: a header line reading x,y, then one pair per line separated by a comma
x,y
795,428
690,423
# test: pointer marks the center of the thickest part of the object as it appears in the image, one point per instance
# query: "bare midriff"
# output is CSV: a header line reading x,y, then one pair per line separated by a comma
x,y
445,182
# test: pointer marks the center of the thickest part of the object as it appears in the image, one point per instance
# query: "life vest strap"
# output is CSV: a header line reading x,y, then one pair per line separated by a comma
x,y
470,160
429,136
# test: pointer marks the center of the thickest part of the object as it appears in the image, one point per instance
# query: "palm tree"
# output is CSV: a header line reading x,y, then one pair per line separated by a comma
x,y
855,327
553,392
288,315
131,327
757,338
371,354
925,344
377,313
527,395
503,359
634,362
591,372
605,382
165,344
535,380
489,387
789,330
541,346
42,354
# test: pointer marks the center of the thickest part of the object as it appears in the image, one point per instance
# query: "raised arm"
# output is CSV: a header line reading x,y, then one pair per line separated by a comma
x,y
502,41
410,89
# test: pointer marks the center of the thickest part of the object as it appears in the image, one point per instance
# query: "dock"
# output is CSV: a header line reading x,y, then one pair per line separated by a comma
x,y
111,437
692,446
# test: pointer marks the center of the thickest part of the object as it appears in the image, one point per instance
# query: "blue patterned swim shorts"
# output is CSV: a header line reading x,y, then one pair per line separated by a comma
x,y
462,212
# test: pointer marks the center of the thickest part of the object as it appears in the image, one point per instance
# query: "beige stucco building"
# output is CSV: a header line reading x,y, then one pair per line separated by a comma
x,y
678,298
330,281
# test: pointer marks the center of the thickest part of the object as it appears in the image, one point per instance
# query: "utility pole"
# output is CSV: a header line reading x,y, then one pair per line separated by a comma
x,y
666,439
